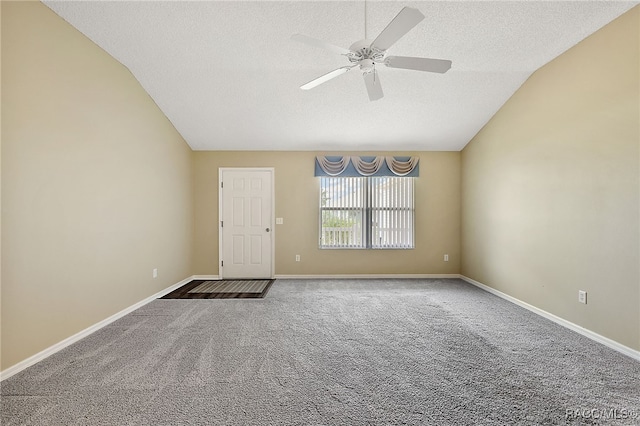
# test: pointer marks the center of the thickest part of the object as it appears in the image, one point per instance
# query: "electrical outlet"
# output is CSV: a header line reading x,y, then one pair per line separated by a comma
x,y
155,272
582,296
446,257
297,258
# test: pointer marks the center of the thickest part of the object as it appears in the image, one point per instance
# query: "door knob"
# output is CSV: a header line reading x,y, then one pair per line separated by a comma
x,y
267,229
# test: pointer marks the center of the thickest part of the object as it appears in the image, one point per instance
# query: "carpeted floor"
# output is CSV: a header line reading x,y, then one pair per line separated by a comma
x,y
376,352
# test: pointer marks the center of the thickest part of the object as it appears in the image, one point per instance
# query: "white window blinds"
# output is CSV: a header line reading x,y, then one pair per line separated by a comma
x,y
390,209
342,206
366,212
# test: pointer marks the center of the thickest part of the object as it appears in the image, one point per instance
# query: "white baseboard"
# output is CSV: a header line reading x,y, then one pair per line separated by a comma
x,y
359,276
87,331
206,277
563,322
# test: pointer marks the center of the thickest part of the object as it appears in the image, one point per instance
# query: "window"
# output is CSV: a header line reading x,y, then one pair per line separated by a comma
x,y
366,212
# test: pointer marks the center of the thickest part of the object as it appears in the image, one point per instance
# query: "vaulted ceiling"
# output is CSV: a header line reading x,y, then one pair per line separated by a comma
x,y
227,73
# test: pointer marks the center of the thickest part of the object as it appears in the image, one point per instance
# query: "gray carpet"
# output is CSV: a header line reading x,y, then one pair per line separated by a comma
x,y
375,352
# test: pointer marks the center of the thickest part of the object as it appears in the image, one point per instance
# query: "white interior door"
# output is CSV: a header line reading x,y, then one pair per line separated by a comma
x,y
246,229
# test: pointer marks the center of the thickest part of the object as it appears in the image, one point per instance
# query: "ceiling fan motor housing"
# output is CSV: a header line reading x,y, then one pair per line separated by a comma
x,y
364,55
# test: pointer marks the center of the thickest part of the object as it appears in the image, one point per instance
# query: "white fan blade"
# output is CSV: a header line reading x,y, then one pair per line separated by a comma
x,y
319,43
418,64
372,81
399,26
328,76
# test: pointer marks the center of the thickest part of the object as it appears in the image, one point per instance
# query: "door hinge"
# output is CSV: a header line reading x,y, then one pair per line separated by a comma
x,y
222,263
222,224
221,184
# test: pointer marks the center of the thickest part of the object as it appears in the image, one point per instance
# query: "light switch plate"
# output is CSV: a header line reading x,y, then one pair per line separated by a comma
x,y
279,221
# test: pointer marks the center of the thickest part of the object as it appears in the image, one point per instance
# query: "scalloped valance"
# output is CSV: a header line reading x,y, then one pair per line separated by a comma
x,y
346,166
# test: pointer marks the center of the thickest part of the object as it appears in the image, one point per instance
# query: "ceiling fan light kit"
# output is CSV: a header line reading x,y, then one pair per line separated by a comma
x,y
368,54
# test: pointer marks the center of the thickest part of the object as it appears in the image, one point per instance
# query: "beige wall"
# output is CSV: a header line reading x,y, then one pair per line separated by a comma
x,y
550,189
96,188
437,193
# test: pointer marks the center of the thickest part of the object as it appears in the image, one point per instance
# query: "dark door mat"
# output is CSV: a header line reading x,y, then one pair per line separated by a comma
x,y
222,289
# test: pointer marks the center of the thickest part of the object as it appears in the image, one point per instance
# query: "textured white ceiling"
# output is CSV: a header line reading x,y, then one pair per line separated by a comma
x,y
227,74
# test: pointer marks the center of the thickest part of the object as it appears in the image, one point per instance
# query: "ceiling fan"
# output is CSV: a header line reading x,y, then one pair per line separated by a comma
x,y
367,54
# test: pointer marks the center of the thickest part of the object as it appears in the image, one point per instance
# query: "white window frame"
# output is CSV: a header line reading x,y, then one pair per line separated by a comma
x,y
398,201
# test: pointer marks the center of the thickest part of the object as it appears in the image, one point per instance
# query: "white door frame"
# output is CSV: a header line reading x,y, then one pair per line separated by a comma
x,y
271,170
